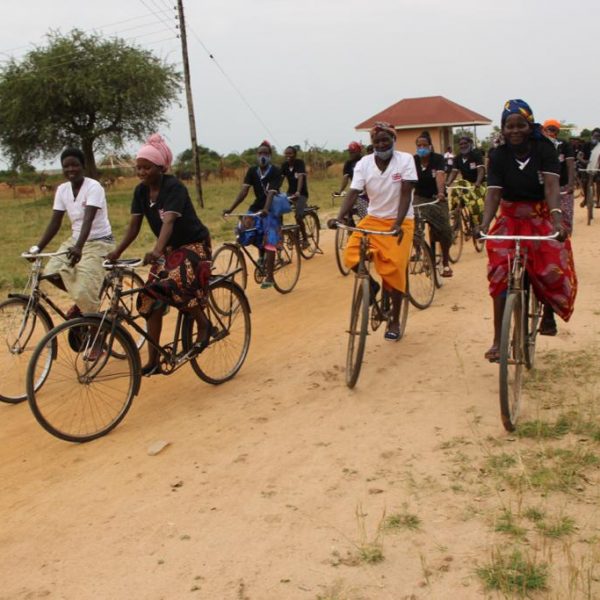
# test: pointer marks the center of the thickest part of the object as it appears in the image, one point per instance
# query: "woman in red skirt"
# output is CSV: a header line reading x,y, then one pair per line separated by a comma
x,y
523,180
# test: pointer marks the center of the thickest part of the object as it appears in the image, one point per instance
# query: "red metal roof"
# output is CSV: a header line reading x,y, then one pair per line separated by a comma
x,y
425,112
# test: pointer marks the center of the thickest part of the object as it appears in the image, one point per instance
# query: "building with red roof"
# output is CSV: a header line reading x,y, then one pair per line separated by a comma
x,y
436,114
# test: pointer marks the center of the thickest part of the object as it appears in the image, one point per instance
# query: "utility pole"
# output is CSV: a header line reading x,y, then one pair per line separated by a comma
x,y
190,104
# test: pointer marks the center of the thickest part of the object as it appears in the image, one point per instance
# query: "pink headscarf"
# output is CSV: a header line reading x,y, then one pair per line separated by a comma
x,y
156,151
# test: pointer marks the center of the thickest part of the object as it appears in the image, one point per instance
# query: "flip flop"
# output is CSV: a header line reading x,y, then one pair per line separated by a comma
x,y
493,354
391,336
447,272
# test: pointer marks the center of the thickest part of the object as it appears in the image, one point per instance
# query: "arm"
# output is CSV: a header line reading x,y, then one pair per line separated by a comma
x,y
440,183
452,176
301,178
76,250
406,188
239,199
268,201
166,231
492,200
345,180
571,175
552,191
52,229
135,224
480,175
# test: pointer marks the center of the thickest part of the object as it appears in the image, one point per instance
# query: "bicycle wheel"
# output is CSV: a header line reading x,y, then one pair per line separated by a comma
x,y
357,333
421,275
131,281
21,330
512,360
531,324
287,262
404,314
228,312
83,397
341,241
477,242
309,247
228,258
458,235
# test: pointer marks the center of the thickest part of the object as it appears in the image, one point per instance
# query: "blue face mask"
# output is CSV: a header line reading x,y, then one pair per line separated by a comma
x,y
423,152
263,160
384,154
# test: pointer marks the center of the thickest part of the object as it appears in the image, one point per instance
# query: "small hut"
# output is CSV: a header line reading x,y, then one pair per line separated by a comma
x,y
436,114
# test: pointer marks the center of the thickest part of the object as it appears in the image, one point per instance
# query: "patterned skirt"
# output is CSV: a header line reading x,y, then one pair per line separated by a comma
x,y
181,281
473,198
549,263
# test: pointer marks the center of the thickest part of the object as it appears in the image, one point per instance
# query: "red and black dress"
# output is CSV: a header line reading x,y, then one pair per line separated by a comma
x,y
523,211
182,278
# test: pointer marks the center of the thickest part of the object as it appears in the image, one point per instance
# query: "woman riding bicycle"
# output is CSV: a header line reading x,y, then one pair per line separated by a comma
x,y
387,177
294,170
524,181
431,184
362,201
181,255
265,180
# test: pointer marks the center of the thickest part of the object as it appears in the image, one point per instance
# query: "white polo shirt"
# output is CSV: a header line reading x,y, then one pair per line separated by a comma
x,y
383,189
90,194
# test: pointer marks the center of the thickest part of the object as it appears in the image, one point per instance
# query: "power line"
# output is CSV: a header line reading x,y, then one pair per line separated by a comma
x,y
157,14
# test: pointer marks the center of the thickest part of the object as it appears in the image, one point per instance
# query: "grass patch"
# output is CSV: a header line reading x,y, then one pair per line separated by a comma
x,y
403,520
513,573
506,523
534,514
562,527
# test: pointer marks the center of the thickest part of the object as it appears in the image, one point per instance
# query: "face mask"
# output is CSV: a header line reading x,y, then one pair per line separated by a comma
x,y
423,152
465,150
384,154
594,141
263,160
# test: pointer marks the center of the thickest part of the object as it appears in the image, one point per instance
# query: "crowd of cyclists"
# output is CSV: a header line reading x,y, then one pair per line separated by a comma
x,y
524,184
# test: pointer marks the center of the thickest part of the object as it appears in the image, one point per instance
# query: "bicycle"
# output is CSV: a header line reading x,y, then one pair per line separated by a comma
x,y
590,194
522,313
362,303
342,235
25,318
230,258
461,213
422,271
309,244
95,367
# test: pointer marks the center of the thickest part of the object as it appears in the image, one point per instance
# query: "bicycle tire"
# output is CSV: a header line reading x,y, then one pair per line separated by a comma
x,y
228,258
286,271
421,275
20,333
357,333
312,228
228,313
512,360
341,241
131,280
439,266
458,236
404,314
531,324
64,405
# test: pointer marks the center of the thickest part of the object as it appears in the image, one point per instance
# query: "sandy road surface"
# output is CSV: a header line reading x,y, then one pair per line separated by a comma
x,y
264,476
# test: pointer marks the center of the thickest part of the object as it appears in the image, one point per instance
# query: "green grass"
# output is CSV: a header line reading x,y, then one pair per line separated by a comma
x,y
23,222
559,528
403,520
506,523
513,573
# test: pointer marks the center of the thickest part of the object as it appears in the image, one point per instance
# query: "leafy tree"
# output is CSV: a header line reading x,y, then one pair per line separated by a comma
x,y
84,90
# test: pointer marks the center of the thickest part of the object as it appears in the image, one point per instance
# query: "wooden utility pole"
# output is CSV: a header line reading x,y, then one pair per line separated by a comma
x,y
190,104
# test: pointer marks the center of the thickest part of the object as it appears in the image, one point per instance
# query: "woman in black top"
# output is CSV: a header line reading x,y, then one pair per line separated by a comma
x,y
523,180
294,170
431,185
182,241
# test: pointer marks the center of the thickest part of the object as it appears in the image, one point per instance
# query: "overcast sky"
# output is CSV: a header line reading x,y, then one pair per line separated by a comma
x,y
313,69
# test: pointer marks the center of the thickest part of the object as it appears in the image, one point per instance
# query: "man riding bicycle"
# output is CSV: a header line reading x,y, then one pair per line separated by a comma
x,y
387,176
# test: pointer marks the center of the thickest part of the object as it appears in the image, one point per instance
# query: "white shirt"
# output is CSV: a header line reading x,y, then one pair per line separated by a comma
x,y
594,158
383,189
90,194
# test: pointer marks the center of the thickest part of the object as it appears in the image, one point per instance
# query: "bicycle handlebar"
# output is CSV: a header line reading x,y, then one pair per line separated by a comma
x,y
43,254
336,195
426,203
122,262
340,225
483,236
227,215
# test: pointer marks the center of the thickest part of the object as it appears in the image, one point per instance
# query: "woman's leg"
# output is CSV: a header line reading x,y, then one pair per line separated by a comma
x,y
493,354
154,322
269,265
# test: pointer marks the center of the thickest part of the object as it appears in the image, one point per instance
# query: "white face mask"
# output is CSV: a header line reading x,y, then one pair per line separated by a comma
x,y
384,154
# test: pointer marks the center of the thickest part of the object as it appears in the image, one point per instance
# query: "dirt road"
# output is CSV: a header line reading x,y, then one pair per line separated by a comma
x,y
273,481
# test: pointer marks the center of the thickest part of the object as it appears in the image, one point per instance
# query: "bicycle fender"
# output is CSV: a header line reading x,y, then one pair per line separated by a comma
x,y
41,309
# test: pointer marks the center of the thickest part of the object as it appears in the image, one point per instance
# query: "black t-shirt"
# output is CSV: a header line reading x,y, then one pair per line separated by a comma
x,y
349,167
467,164
565,151
522,180
291,172
426,186
261,183
172,197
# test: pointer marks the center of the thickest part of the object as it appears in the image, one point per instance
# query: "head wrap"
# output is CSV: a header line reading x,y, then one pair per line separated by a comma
x,y
465,138
266,144
74,152
552,123
354,147
520,107
156,151
385,127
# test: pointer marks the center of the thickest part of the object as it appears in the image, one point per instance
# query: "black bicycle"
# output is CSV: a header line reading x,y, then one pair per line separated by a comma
x,y
365,308
230,258
25,318
460,213
311,230
90,367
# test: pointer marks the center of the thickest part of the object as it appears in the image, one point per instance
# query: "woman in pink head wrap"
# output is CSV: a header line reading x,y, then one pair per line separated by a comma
x,y
181,240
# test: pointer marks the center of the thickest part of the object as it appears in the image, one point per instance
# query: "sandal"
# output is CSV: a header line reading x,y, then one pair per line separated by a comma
x,y
447,271
548,327
265,285
392,334
493,354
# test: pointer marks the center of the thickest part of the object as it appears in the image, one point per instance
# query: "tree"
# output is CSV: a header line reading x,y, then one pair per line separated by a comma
x,y
82,90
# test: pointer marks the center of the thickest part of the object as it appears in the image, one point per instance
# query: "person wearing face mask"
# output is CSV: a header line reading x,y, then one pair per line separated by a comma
x,y
294,171
566,158
431,185
387,177
523,181
470,164
591,160
265,180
